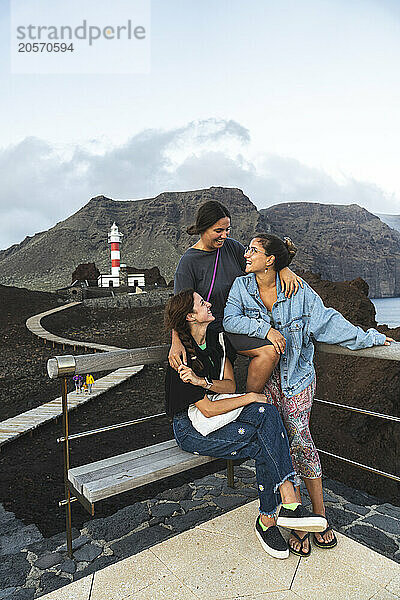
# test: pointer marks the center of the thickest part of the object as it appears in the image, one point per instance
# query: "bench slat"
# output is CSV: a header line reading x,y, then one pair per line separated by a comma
x,y
129,464
101,464
104,488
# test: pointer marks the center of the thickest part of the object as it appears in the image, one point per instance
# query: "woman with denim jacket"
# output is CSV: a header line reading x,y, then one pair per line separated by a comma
x,y
210,419
257,307
210,267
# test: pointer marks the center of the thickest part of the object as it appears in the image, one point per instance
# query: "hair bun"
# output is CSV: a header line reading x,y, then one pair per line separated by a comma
x,y
291,248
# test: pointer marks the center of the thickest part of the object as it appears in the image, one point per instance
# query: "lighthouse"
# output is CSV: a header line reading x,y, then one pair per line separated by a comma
x,y
121,275
114,238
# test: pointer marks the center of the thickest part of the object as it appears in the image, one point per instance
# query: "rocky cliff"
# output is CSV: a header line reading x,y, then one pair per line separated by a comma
x,y
154,235
341,243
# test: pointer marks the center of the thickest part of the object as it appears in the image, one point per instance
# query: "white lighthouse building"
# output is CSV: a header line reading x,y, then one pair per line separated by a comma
x,y
114,238
114,280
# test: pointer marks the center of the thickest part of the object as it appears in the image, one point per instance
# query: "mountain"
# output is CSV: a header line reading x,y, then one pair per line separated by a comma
x,y
392,220
341,243
154,235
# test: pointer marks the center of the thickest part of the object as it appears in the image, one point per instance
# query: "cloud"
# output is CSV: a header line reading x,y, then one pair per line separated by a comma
x,y
42,185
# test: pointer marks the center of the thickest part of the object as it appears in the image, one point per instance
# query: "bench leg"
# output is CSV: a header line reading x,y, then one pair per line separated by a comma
x,y
230,473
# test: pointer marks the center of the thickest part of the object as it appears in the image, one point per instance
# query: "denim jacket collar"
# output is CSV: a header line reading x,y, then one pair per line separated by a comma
x,y
253,288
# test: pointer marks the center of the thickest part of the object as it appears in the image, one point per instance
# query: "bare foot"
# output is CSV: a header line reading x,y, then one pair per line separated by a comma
x,y
296,545
327,537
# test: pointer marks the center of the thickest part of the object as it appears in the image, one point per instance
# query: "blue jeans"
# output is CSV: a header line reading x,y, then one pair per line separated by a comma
x,y
257,433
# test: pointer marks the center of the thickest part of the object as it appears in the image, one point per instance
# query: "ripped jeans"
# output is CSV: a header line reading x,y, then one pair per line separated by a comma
x,y
257,433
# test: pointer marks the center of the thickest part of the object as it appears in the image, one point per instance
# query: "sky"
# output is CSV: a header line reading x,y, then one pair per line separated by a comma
x,y
289,101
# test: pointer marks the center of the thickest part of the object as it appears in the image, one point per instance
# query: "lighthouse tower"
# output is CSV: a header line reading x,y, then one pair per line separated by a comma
x,y
114,238
131,280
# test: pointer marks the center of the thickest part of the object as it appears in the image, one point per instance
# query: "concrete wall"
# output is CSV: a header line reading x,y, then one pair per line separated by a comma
x,y
151,298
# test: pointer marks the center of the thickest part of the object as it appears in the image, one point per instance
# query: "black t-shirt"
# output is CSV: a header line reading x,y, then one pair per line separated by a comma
x,y
195,270
180,395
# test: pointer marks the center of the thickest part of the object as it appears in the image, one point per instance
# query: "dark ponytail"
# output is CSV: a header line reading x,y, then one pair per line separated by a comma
x,y
177,309
207,215
283,250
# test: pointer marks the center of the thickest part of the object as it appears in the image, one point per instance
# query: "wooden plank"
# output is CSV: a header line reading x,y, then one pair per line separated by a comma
x,y
129,465
84,501
106,462
391,352
91,363
95,494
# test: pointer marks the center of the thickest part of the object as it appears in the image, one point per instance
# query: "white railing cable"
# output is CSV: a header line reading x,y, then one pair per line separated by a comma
x,y
370,413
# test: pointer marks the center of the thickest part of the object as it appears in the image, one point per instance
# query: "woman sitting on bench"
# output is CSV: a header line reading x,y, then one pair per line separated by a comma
x,y
211,420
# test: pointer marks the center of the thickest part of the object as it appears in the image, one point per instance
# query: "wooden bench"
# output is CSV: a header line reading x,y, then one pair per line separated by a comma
x,y
104,478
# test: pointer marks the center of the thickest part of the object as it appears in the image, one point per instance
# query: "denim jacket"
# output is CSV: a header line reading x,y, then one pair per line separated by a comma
x,y
299,319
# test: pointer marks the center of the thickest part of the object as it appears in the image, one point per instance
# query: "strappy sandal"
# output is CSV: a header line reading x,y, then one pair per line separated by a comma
x,y
300,552
327,545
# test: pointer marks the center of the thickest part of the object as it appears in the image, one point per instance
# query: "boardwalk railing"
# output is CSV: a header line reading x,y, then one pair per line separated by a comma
x,y
66,366
91,363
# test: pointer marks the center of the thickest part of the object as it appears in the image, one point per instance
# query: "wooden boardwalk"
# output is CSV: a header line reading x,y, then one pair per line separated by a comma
x,y
34,325
12,428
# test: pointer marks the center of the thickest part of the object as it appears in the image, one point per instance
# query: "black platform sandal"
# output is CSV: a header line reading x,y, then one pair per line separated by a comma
x,y
300,552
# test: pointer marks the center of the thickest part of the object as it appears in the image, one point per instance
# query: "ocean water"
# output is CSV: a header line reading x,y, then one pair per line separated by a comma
x,y
387,311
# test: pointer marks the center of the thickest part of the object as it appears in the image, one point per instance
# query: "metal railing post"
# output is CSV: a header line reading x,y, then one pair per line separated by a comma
x,y
64,394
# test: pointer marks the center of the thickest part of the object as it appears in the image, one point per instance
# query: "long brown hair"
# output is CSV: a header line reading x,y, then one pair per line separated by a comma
x,y
177,309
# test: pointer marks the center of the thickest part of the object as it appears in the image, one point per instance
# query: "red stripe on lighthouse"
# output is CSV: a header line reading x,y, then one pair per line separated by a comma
x,y
114,245
115,262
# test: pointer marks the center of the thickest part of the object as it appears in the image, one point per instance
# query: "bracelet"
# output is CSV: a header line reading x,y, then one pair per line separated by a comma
x,y
209,383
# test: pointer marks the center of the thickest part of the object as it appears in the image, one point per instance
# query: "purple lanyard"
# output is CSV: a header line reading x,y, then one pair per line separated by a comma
x,y
213,277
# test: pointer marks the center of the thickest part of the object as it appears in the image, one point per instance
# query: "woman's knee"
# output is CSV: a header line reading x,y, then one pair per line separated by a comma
x,y
268,353
269,412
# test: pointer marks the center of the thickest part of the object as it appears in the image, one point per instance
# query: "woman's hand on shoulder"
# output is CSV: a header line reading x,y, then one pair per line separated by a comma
x,y
290,282
177,354
189,376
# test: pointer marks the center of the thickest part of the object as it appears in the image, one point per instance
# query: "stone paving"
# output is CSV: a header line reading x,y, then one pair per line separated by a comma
x,y
31,566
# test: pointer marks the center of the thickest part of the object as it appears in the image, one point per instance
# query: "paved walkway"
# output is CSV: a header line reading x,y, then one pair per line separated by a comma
x,y
222,559
32,566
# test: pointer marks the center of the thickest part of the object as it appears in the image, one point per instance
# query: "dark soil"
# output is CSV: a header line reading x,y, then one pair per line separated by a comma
x,y
32,473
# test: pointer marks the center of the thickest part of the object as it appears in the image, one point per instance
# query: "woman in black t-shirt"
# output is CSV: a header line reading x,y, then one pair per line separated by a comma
x,y
211,420
210,267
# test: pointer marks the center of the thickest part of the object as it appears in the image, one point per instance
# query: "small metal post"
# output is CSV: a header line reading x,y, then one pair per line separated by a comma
x,y
64,394
230,473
